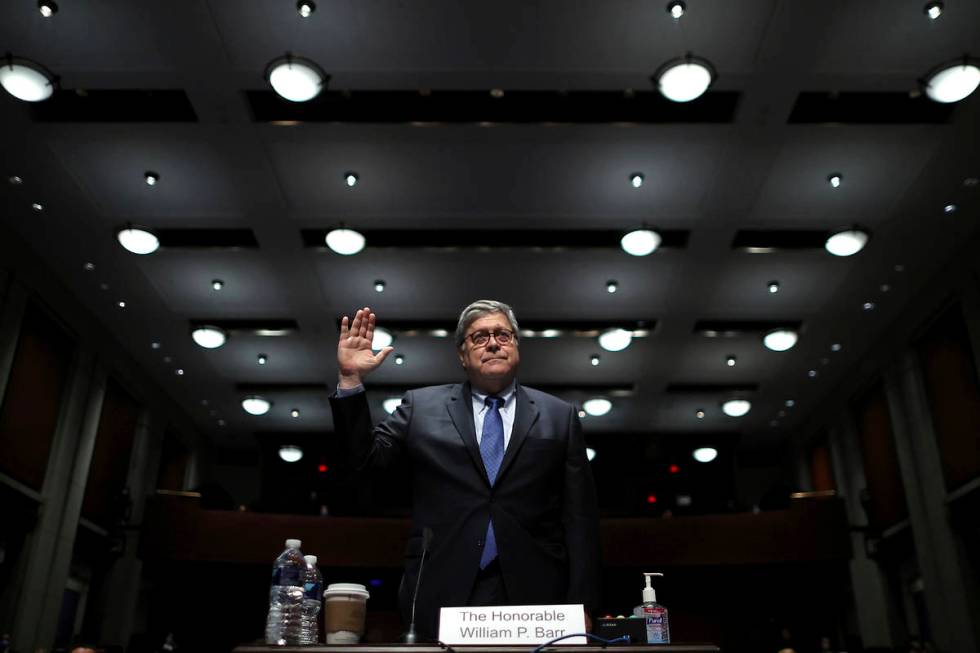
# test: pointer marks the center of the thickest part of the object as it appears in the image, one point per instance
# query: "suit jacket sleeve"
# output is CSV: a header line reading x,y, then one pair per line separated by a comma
x,y
581,517
368,446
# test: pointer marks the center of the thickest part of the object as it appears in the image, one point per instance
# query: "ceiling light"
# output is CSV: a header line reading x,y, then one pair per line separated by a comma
x,y
290,453
121,304
582,414
154,345
847,243
89,266
48,8
676,8
221,422
350,178
640,242
835,179
345,241
391,403
773,287
209,337
382,339
305,8
790,403
705,454
934,10
151,178
594,360
597,406
296,79
256,405
835,347
612,286
950,208
699,413
399,359
684,79
730,361
138,240
496,93
15,180
615,339
589,454
550,333
812,374
37,206
262,359
868,306
885,287
969,182
217,284
25,79
780,339
736,407
636,179
379,285
952,82
294,412
179,372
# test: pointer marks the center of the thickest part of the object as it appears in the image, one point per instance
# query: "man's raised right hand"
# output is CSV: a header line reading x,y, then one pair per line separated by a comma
x,y
355,359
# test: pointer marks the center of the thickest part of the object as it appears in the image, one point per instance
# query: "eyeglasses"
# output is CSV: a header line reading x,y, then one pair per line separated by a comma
x,y
482,338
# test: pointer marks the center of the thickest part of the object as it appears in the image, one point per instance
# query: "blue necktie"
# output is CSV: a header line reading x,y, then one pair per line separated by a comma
x,y
492,450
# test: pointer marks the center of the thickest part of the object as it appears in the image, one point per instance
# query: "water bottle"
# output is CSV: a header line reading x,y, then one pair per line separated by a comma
x,y
283,627
312,600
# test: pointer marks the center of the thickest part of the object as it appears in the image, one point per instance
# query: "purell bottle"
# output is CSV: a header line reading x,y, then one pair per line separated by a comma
x,y
658,628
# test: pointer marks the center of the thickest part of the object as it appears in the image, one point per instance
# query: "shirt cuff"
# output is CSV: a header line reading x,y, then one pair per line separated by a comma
x,y
348,392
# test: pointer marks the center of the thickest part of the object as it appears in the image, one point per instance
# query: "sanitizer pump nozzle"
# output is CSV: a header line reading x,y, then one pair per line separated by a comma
x,y
658,626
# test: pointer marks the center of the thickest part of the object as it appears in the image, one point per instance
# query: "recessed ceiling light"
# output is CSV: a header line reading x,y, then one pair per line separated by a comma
x,y
15,180
151,178
953,81
345,241
217,284
89,266
790,403
379,285
305,8
138,240
730,361
835,347
615,339
290,453
971,182
899,267
294,412
640,242
582,414
736,407
496,93
550,333
950,208
209,337
868,306
594,360
399,359
296,79
382,339
773,287
262,359
847,243
684,79
612,286
391,403
699,413
780,339
121,304
933,10
168,359
256,405
676,8
812,374
25,79
885,287
221,422
705,454
179,371
351,179
835,179
48,8
597,406
636,179
37,206
154,345
589,454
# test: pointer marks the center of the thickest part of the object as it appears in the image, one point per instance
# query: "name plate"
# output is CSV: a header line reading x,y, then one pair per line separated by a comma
x,y
512,624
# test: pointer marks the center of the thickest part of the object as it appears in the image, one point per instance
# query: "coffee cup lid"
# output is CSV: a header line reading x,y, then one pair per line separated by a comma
x,y
347,588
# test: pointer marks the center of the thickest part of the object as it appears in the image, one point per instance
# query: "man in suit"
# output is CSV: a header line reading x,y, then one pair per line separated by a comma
x,y
499,473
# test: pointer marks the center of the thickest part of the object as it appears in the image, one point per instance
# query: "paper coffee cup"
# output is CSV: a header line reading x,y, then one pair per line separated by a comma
x,y
344,610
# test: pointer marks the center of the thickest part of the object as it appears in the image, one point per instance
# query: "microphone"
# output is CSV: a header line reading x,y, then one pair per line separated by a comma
x,y
410,636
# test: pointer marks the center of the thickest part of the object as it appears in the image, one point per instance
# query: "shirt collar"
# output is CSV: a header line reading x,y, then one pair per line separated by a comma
x,y
481,397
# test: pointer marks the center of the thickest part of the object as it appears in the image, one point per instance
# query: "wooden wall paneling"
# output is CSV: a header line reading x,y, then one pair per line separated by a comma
x,y
887,504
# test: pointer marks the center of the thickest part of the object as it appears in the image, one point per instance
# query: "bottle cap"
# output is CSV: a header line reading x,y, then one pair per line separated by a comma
x,y
294,544
649,594
310,560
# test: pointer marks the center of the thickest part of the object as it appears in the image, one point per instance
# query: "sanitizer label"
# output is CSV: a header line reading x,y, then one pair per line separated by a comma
x,y
658,631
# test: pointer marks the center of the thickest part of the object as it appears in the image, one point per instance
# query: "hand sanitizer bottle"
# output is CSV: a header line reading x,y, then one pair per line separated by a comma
x,y
658,628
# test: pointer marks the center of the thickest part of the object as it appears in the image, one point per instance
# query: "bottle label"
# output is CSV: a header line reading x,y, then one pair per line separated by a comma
x,y
657,628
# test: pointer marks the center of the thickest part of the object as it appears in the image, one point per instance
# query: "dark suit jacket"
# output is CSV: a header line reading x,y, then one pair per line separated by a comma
x,y
543,503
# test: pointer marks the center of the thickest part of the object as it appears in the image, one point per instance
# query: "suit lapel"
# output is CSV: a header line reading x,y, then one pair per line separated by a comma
x,y
527,415
460,406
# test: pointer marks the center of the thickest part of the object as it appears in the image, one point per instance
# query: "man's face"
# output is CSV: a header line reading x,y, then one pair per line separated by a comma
x,y
492,366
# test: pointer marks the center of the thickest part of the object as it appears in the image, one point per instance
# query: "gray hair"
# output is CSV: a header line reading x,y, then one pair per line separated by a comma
x,y
478,309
